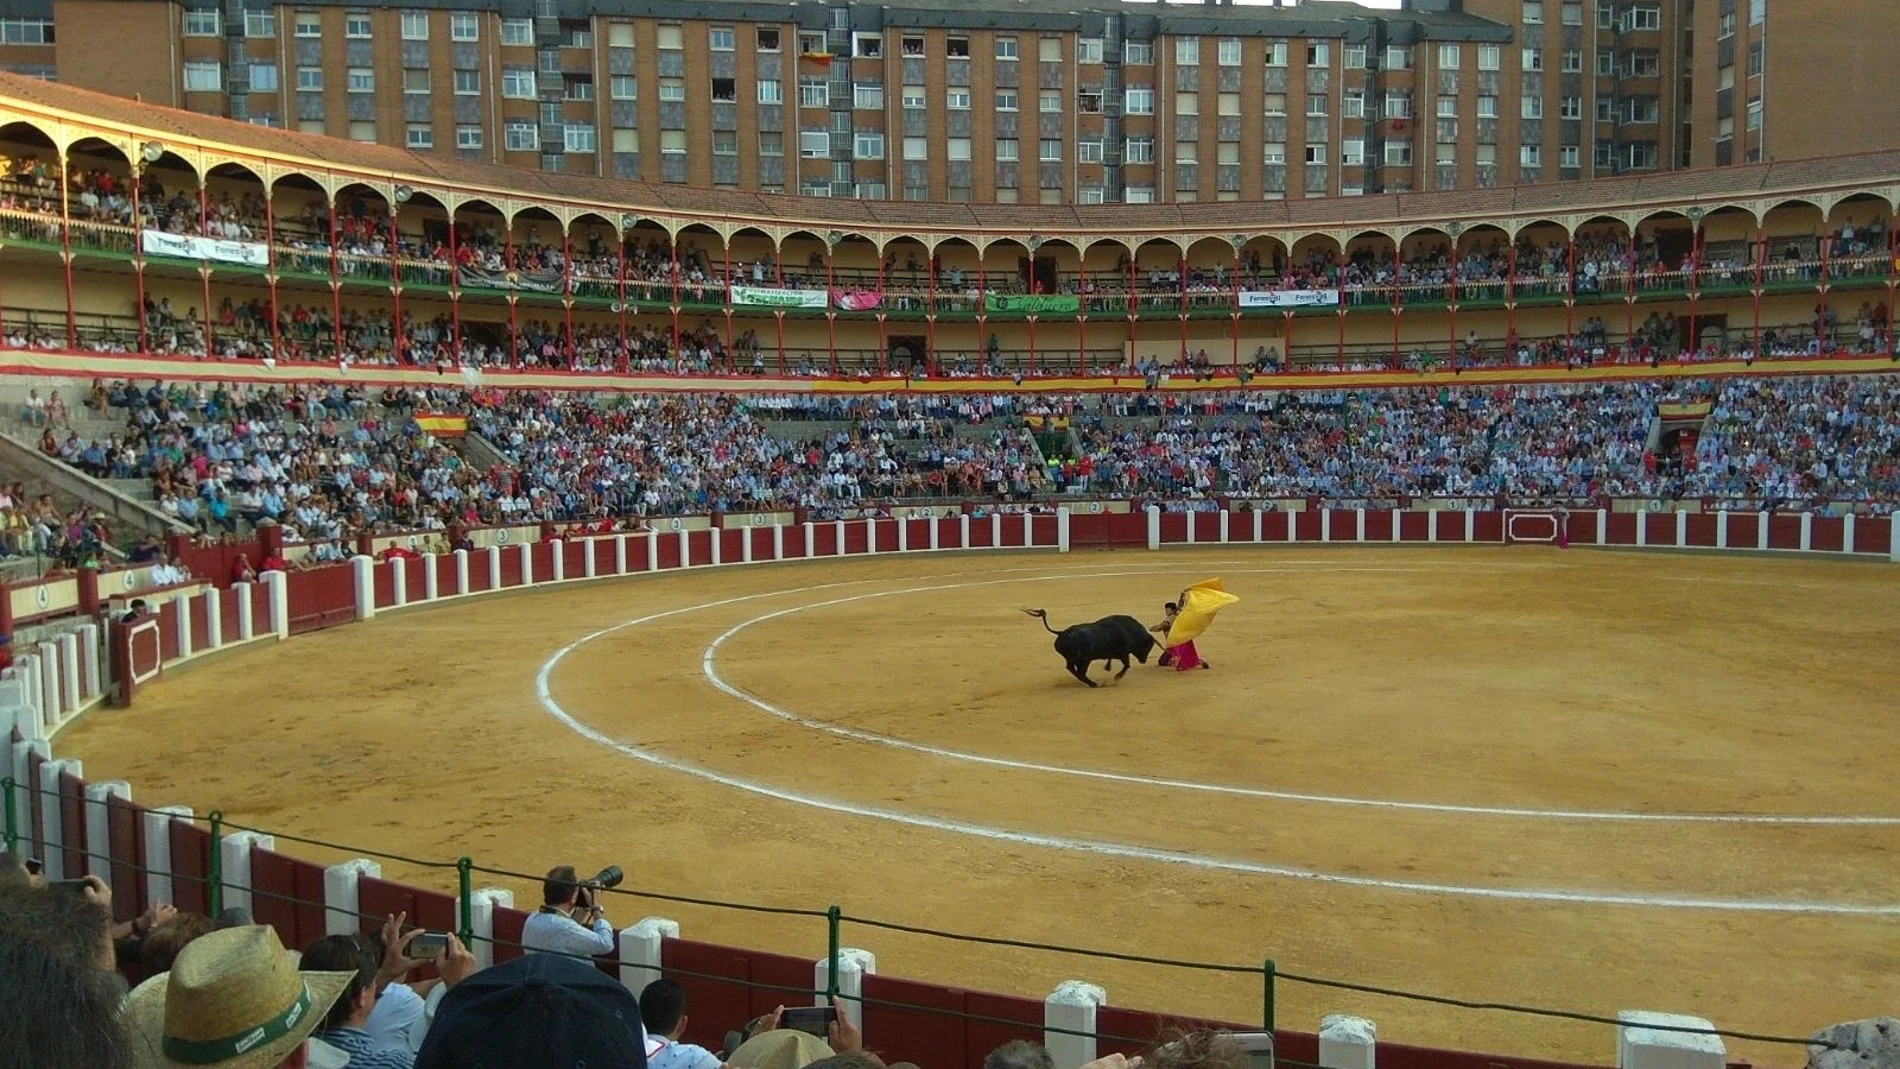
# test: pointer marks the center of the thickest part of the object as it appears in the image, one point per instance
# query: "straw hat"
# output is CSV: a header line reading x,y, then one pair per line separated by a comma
x,y
781,1048
234,1000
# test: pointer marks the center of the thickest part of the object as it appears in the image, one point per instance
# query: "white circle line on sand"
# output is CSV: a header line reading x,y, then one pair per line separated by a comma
x,y
1122,850
710,670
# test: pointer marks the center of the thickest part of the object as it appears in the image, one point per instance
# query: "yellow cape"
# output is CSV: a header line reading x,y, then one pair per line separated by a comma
x,y
1198,605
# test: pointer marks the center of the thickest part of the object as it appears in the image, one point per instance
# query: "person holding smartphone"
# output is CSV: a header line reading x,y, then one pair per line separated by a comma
x,y
570,920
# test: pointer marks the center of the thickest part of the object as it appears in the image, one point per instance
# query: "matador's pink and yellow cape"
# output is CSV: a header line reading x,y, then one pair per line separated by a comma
x,y
1199,604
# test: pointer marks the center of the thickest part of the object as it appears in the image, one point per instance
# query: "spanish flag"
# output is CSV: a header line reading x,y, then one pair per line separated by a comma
x,y
442,424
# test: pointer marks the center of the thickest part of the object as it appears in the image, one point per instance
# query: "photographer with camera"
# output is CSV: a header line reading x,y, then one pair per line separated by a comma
x,y
571,920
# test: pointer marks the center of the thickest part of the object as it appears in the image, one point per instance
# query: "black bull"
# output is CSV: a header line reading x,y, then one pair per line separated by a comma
x,y
1112,638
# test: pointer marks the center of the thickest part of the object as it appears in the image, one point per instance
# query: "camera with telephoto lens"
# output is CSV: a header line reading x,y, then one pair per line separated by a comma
x,y
586,894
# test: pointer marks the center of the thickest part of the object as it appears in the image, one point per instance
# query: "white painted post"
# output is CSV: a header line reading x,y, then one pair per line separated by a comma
x,y
1029,530
1225,517
52,823
591,549
558,559
214,619
99,828
686,548
526,549
482,904
431,577
494,567
1431,525
1347,1042
1761,530
1640,1045
1258,520
28,666
642,949
235,851
996,530
1603,527
182,608
1396,514
363,572
341,915
89,658
837,547
1072,1007
50,674
1721,529
853,966
1807,531
745,545
27,754
1847,533
1062,529
936,532
1682,528
1192,518
461,571
718,551
903,534
809,538
620,554
653,551
398,582
778,541
69,694
1154,526
1471,526
1893,539
963,530
158,850
1359,525
1642,529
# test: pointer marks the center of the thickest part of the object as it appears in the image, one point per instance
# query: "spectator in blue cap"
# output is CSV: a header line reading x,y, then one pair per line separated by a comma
x,y
536,1012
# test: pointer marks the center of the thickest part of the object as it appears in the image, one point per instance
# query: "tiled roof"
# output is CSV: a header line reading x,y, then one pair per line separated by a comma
x,y
1877,172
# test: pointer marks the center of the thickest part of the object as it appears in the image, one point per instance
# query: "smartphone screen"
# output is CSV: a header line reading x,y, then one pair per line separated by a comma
x,y
428,946
814,1020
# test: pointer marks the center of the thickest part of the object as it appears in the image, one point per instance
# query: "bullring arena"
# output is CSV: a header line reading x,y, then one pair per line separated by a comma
x,y
1486,764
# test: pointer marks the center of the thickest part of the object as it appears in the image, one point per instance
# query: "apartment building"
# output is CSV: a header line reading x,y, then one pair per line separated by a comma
x,y
1011,101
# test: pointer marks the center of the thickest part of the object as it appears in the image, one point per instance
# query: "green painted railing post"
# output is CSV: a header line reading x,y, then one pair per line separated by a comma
x,y
834,920
464,877
214,890
1267,1008
6,787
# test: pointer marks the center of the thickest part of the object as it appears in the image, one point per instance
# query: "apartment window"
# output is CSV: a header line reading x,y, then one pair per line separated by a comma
x,y
1139,195
1273,104
1187,152
868,146
1352,104
1488,57
1447,107
1138,150
362,131
1276,53
263,77
1642,110
1398,104
957,100
1088,196
767,40
468,137
362,80
1533,59
1316,153
1533,12
1447,154
464,26
1357,58
672,89
310,79
1138,101
1754,58
771,143
415,81
813,144
1606,18
1398,153
1568,156
1228,105
1754,115
1572,61
1007,150
578,137
814,93
1398,58
308,24
1643,65
1757,11
260,23
520,136
1273,152
1050,150
1606,64
1448,57
1187,51
1227,53
1642,18
719,39
1319,54
1533,108
1572,108
956,148
1187,103
1530,156
917,148
1725,25
1049,101
1487,156
1352,152
1640,156
419,135
356,24
517,83
1604,155
415,25
673,142
1005,98
771,90
868,97
1573,13
1049,49
1606,109
1006,48
1089,150
581,87
1088,50
517,31
202,23
1487,107
203,76
1138,53
812,44
1316,104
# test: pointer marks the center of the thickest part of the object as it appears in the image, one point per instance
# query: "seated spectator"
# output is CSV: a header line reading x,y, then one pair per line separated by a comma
x,y
401,1016
159,946
1019,1054
663,1012
61,997
570,920
241,570
536,1011
235,1000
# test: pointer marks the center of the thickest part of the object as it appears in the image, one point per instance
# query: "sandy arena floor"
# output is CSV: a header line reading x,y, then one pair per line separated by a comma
x,y
1515,701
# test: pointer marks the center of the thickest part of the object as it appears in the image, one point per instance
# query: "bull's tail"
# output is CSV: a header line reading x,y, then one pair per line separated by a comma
x,y
1042,615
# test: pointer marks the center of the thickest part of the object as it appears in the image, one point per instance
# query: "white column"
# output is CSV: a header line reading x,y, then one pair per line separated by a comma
x,y
461,571
558,558
28,667
1807,531
1761,530
853,966
363,572
1642,528
482,904
1640,1045
214,618
431,577
1471,526
99,828
1682,528
936,534
745,545
27,755
69,693
340,916
903,534
1893,540
718,550
1721,529
590,549
620,554
50,675
494,567
235,851
996,530
1325,524
1193,521
398,582
686,548
158,850
838,546
1154,526
1072,1007
1847,533
526,549
91,677
642,947
1396,513
1029,530
1062,529
182,606
246,625
653,551
963,530
778,541
1258,520
52,816
1603,527
808,538
1347,1042
17,712
1225,516
1359,525
1431,525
